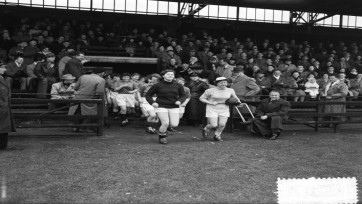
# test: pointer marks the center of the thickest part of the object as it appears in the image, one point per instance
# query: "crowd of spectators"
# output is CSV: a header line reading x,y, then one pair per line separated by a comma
x,y
37,53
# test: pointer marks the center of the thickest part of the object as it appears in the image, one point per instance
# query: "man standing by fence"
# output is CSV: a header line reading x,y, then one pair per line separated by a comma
x,y
88,86
7,123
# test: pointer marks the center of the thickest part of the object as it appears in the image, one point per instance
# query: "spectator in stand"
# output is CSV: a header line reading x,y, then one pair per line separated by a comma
x,y
195,110
63,61
203,56
13,52
63,89
278,83
7,123
287,68
32,79
6,43
270,115
30,51
295,86
213,63
217,112
46,73
312,87
335,91
225,69
263,83
170,95
205,75
355,88
245,87
75,65
164,60
15,71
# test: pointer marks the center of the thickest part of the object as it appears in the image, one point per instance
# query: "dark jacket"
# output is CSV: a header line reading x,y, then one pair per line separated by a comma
x,y
74,67
278,107
7,122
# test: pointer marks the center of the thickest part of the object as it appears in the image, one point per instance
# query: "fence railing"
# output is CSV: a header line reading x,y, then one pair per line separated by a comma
x,y
53,113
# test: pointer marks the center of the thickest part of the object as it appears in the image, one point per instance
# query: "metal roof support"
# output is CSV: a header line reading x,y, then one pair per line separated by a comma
x,y
298,17
192,10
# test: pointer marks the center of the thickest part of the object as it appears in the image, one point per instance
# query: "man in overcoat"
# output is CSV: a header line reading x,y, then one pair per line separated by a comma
x,y
88,86
270,115
244,86
6,118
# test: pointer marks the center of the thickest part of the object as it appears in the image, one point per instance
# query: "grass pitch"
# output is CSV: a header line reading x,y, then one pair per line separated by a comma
x,y
129,166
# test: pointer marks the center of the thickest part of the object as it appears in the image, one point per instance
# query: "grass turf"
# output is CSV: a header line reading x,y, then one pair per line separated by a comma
x,y
129,166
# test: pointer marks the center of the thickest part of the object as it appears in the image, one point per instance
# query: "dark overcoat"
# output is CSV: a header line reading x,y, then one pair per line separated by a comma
x,y
6,118
277,113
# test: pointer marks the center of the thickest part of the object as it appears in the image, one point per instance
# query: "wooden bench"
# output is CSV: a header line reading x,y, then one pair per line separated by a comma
x,y
309,113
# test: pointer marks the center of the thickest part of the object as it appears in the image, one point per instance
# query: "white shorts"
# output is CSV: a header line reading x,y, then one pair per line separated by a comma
x,y
145,105
126,100
218,110
167,110
182,109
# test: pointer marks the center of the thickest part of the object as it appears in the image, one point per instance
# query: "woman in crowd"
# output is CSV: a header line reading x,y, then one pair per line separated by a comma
x,y
335,91
217,112
295,86
125,97
195,110
170,95
147,109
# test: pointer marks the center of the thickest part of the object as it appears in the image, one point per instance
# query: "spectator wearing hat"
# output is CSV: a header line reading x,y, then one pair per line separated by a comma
x,y
183,71
75,65
225,69
287,67
19,49
7,123
263,83
164,60
217,112
88,86
31,79
207,76
337,91
212,63
46,73
245,87
15,71
195,110
63,89
30,51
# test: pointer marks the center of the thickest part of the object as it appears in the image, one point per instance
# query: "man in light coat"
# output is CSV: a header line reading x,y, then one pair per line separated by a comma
x,y
244,86
88,86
